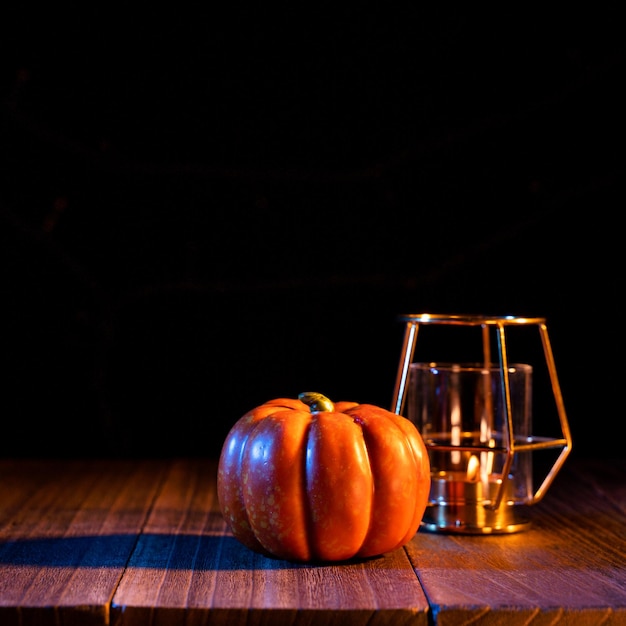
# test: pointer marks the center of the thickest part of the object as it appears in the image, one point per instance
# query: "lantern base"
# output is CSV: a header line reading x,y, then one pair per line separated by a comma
x,y
459,505
474,519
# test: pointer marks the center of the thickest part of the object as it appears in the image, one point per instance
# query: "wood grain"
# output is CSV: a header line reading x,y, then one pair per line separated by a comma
x,y
67,530
125,542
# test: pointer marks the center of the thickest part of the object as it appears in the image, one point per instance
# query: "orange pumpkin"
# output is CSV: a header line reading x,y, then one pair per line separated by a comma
x,y
306,480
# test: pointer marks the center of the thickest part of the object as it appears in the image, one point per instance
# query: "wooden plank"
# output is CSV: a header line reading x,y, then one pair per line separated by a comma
x,y
148,536
67,529
187,569
569,568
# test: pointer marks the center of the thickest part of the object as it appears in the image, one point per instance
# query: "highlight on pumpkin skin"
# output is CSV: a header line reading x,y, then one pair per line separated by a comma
x,y
339,487
308,480
273,471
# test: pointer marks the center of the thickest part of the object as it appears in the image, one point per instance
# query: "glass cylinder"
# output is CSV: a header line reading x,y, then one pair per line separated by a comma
x,y
468,421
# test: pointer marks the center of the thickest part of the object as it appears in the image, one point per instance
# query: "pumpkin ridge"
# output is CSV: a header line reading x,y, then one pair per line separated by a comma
x,y
362,423
283,494
371,435
255,426
306,491
242,529
339,464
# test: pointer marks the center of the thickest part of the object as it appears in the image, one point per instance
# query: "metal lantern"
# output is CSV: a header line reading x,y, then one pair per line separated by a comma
x,y
476,421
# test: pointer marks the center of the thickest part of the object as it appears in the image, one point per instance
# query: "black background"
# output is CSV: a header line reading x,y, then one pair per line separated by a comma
x,y
203,211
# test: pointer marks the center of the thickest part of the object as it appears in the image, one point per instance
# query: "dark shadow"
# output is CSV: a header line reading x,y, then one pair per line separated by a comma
x,y
152,550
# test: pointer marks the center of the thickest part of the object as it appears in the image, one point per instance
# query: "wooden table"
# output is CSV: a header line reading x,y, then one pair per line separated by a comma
x,y
142,542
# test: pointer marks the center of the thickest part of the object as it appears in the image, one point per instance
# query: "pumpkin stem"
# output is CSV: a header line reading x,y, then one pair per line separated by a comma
x,y
317,401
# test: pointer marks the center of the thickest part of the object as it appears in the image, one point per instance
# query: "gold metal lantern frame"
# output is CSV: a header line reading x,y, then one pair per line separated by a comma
x,y
491,514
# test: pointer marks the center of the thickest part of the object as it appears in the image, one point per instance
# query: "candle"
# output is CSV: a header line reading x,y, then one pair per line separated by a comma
x,y
462,503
